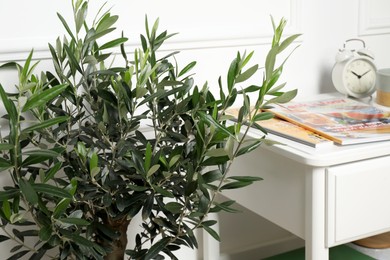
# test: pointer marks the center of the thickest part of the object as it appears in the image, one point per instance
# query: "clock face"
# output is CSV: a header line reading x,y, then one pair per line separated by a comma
x,y
359,76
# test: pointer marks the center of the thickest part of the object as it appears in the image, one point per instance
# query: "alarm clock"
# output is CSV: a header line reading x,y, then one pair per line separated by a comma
x,y
354,73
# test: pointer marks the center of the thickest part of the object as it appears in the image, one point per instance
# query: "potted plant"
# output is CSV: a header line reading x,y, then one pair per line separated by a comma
x,y
80,166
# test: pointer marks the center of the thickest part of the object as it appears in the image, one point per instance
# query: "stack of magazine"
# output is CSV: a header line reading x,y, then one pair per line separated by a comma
x,y
329,119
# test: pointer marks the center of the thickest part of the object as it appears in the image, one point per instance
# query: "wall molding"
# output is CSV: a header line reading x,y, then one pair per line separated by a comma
x,y
17,49
372,19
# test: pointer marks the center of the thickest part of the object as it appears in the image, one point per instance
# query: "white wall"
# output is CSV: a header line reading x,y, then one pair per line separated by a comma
x,y
211,32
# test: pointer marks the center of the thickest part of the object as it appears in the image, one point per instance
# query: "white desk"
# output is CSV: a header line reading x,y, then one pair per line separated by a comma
x,y
327,197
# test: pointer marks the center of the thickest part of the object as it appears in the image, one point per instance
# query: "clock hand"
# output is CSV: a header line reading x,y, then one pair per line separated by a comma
x,y
357,75
365,73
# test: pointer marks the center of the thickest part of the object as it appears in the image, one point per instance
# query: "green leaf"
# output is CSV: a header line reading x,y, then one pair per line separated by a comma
x,y
229,147
232,74
210,120
154,29
270,62
81,150
80,16
96,35
42,152
160,94
263,116
174,207
63,21
148,156
43,97
147,207
113,43
247,74
123,51
212,232
216,152
209,223
61,207
163,192
38,156
93,162
90,60
278,31
4,164
16,203
18,255
236,185
28,191
152,170
249,147
6,209
288,41
275,90
211,176
106,22
186,68
16,217
51,190
284,98
156,248
251,88
246,178
215,161
174,160
75,221
77,239
160,39
73,62
52,171
45,124
12,65
15,248
259,127
9,105
246,59
3,238
225,206
140,92
24,73
8,194
45,233
34,159
274,78
6,147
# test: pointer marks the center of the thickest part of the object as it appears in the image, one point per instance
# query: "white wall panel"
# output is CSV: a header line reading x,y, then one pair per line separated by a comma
x,y
200,24
374,17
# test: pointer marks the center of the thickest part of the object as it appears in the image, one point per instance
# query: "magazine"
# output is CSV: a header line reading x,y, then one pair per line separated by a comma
x,y
290,131
341,119
294,132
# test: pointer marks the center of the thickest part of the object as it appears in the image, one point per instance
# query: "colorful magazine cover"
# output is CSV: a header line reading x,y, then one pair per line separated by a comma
x,y
294,132
343,120
290,131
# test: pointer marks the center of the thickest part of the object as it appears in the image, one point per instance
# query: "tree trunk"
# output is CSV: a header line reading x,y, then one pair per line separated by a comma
x,y
118,246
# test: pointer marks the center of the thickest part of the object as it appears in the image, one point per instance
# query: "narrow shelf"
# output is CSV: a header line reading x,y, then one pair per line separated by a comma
x,y
342,252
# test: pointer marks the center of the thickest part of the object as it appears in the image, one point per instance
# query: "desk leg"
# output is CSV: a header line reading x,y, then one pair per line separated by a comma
x,y
210,245
315,215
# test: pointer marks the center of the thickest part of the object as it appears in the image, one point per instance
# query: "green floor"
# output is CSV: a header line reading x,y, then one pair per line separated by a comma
x,y
342,252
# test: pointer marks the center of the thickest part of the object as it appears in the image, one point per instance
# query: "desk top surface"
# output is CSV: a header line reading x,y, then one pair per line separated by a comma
x,y
325,156
328,156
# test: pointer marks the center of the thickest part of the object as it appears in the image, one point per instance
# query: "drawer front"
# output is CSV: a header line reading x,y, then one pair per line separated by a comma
x,y
358,200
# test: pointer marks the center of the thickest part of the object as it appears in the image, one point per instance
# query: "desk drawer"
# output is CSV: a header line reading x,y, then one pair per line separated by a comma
x,y
358,200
